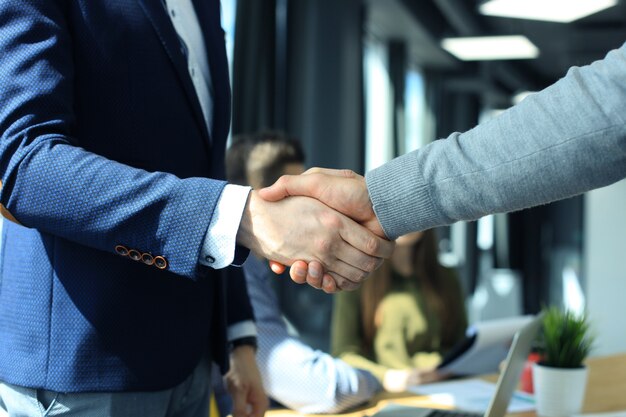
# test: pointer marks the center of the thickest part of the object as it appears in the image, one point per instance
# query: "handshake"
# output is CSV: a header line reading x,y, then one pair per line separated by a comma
x,y
321,223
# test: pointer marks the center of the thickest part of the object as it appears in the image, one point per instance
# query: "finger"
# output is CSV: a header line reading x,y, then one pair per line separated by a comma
x,y
239,402
353,264
289,185
277,267
315,275
329,286
365,241
298,272
259,403
332,281
342,283
310,184
301,272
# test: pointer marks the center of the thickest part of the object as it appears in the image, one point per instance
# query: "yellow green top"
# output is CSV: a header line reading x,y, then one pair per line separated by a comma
x,y
408,334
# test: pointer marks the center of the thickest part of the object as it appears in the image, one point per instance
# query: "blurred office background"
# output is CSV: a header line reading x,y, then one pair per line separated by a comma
x,y
362,81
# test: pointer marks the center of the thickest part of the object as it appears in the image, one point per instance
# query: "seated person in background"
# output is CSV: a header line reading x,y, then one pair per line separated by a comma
x,y
295,375
404,317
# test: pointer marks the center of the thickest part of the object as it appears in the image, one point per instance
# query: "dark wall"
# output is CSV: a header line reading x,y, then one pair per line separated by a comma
x,y
305,78
298,67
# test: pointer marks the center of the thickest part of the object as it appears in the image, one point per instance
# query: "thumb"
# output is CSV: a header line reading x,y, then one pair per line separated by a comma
x,y
289,185
345,173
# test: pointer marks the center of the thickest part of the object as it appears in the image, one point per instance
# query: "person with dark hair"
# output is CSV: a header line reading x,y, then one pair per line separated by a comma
x,y
404,318
293,374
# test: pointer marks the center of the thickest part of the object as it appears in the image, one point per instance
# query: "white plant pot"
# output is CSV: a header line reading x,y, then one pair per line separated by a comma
x,y
559,392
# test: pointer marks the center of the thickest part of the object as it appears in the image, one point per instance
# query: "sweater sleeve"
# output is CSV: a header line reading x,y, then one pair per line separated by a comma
x,y
560,142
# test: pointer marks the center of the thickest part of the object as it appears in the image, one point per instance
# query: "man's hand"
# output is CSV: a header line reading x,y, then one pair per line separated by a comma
x,y
244,384
303,228
342,190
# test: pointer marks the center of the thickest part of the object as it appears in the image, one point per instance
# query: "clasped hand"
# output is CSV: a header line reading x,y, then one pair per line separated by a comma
x,y
326,230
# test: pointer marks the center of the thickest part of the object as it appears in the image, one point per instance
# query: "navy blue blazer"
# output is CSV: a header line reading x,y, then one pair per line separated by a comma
x,y
109,169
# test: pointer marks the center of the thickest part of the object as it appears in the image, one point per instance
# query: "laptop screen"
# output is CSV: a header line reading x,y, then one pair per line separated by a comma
x,y
509,378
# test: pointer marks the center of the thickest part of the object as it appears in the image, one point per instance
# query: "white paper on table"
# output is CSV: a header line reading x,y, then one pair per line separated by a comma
x,y
472,395
485,347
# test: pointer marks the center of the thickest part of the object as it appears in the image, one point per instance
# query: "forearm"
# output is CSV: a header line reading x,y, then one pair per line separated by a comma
x,y
563,141
68,192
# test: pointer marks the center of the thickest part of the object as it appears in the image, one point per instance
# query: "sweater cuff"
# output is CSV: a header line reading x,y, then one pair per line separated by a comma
x,y
400,197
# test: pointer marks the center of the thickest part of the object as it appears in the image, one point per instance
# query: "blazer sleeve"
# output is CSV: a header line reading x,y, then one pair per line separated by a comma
x,y
52,184
562,141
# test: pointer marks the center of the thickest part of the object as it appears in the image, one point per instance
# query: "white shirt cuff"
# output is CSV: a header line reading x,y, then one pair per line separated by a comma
x,y
242,329
218,249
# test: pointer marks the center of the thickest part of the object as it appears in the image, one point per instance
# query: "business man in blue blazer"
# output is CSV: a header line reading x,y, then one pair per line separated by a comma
x,y
113,286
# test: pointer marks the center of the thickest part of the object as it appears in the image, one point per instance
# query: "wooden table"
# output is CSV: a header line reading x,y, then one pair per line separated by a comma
x,y
606,391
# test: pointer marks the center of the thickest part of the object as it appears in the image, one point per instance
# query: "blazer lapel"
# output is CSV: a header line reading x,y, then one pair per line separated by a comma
x,y
208,12
157,14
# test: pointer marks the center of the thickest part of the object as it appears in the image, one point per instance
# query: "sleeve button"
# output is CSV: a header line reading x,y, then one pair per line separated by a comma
x,y
134,255
147,259
160,262
121,250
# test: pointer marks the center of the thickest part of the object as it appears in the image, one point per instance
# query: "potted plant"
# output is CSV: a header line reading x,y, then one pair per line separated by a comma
x,y
560,376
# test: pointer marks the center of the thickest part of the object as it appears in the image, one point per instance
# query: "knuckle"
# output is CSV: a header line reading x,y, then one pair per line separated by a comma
x,y
356,275
330,220
324,246
372,245
363,276
348,173
348,285
378,263
282,181
370,265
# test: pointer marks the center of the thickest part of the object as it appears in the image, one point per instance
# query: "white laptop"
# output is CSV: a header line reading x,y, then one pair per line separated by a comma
x,y
507,383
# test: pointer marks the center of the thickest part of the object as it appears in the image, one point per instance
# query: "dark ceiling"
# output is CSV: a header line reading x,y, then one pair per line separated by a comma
x,y
561,45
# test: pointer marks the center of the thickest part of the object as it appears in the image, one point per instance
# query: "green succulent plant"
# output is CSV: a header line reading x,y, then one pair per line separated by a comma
x,y
566,338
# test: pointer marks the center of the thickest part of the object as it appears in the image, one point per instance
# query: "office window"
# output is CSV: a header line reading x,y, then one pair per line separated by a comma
x,y
378,105
229,14
417,113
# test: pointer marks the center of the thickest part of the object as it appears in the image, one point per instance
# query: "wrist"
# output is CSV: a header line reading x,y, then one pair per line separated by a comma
x,y
245,235
244,344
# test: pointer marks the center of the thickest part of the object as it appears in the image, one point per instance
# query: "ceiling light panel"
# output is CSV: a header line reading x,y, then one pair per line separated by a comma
x,y
563,11
486,48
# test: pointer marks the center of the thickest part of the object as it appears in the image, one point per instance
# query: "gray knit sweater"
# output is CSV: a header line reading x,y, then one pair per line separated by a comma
x,y
562,141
